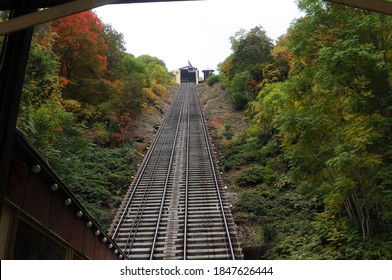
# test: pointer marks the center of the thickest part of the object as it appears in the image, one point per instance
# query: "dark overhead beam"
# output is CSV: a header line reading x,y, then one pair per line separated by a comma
x,y
59,11
380,6
12,4
29,20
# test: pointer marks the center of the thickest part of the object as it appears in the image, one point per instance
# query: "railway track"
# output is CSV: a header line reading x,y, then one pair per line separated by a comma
x,y
176,207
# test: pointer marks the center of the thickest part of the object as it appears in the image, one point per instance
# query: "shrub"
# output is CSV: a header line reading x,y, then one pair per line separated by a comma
x,y
212,80
254,175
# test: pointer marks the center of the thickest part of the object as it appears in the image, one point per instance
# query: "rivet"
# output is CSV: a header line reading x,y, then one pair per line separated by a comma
x,y
36,168
54,187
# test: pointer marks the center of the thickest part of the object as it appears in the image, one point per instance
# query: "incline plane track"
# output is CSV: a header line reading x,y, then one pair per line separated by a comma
x,y
175,207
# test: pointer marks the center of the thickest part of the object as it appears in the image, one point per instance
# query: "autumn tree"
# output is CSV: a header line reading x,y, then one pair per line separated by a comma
x,y
81,95
82,49
80,45
278,69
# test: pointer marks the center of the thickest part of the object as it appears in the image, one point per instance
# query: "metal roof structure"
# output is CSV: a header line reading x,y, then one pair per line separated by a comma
x,y
381,6
12,4
42,11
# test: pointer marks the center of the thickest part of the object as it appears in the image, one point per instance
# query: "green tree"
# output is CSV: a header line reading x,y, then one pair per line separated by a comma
x,y
156,68
130,95
336,121
251,55
240,92
252,51
41,79
115,51
228,131
317,153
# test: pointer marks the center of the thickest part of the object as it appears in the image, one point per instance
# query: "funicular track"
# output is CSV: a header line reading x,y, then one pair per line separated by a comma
x,y
176,208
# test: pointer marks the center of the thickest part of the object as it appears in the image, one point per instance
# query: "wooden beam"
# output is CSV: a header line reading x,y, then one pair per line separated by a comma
x,y
380,6
46,15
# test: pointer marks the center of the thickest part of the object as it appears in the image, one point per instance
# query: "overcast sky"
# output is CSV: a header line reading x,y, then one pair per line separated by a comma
x,y
197,31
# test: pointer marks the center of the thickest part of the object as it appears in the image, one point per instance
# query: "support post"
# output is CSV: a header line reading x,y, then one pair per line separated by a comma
x,y
13,62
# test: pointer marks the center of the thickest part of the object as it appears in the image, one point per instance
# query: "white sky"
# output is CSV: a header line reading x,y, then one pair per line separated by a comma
x,y
197,31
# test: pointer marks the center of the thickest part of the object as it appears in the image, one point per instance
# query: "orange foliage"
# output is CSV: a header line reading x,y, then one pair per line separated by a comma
x,y
123,123
80,45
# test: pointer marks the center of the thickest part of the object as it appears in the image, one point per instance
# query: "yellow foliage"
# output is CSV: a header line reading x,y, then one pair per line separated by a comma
x,y
73,106
150,95
159,89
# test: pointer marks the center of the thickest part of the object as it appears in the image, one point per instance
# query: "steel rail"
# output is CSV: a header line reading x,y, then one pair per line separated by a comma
x,y
138,217
186,183
215,178
141,171
167,180
177,210
147,191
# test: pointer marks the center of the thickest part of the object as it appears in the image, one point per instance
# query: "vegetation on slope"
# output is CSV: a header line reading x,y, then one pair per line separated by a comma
x,y
314,167
82,99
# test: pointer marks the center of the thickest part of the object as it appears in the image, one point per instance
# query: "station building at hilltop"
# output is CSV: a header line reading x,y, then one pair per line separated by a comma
x,y
187,74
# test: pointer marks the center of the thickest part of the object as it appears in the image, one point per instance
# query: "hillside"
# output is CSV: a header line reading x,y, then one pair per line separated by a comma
x,y
219,111
144,127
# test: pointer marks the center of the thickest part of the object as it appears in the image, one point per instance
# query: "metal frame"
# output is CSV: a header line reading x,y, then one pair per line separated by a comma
x,y
381,6
58,9
13,63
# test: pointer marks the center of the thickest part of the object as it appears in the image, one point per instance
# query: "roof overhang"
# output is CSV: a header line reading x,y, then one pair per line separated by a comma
x,y
381,6
12,4
48,10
